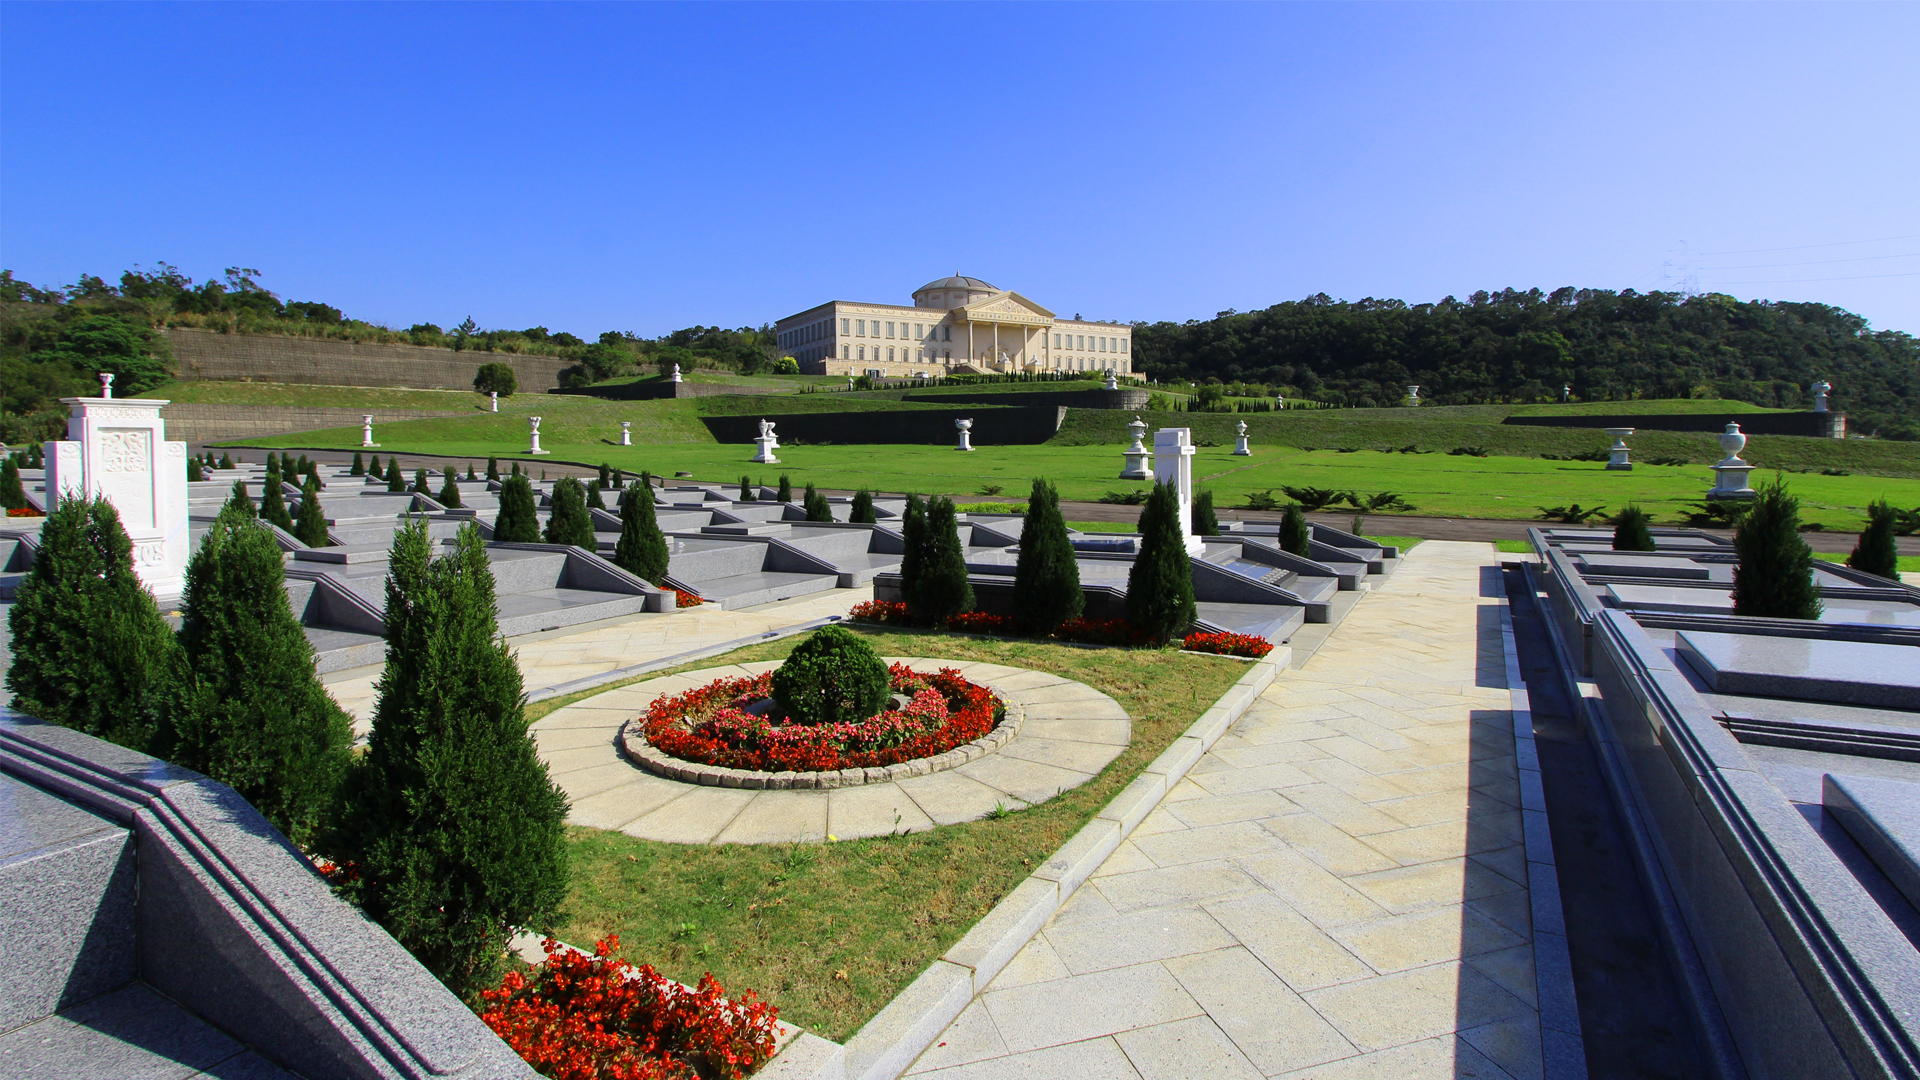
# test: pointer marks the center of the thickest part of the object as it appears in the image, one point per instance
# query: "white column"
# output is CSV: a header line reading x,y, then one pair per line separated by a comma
x,y
117,449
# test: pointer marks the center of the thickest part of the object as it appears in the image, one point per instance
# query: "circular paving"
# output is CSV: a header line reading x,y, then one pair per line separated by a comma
x,y
1069,732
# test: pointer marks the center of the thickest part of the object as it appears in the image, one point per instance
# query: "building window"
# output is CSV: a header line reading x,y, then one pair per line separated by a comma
x,y
876,354
843,327
863,352
1081,338
946,334
919,331
949,356
1123,345
859,328
846,352
889,329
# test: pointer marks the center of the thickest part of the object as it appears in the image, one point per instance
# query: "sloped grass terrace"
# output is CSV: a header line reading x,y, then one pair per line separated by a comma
x,y
831,933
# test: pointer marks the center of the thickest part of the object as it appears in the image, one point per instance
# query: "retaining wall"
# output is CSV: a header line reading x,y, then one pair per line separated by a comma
x,y
652,391
1019,426
206,354
1126,397
1817,425
200,423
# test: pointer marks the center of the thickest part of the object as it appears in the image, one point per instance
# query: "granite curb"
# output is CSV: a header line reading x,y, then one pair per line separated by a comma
x,y
889,1043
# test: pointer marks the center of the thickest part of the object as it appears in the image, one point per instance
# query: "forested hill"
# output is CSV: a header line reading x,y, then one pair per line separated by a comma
x,y
1524,346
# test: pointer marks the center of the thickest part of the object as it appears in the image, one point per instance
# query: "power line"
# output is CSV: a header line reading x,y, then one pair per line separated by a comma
x,y
1797,281
1804,247
1813,262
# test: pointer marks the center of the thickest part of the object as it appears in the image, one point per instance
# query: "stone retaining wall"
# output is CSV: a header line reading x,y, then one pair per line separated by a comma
x,y
1126,397
206,354
1816,425
201,423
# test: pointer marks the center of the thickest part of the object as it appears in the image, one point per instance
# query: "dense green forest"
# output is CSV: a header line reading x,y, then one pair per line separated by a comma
x,y
1516,346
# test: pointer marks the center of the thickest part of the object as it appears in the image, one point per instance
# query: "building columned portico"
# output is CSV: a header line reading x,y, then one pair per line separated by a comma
x,y
956,326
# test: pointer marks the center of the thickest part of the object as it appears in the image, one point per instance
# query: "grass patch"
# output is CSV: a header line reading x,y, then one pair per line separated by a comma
x,y
1908,564
1517,547
831,933
1404,543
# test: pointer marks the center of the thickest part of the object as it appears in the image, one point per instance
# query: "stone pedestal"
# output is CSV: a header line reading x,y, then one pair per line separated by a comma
x,y
626,433
676,373
533,425
965,430
366,432
1730,475
1240,448
1617,453
768,442
1413,395
1820,390
494,396
1113,381
116,448
1139,458
1173,452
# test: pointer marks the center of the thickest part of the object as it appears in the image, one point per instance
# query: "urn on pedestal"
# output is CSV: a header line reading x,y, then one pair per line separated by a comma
x,y
1139,458
1617,453
1730,475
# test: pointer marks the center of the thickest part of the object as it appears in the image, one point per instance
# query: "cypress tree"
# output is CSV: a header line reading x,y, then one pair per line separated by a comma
x,y
746,490
493,468
252,713
594,501
1875,552
311,527
193,471
519,520
457,830
816,505
312,473
567,520
944,590
420,482
1775,577
1295,535
913,533
606,477
449,492
470,473
273,502
1160,585
861,512
226,461
1205,521
13,494
374,470
1046,580
90,649
516,469
396,480
786,490
240,501
642,548
304,467
1630,532
359,467
36,456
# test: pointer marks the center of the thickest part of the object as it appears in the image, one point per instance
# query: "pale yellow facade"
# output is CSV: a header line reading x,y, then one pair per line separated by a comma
x,y
955,326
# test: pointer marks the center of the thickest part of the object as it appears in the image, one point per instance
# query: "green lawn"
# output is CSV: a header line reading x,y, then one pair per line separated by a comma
x,y
830,933
1908,564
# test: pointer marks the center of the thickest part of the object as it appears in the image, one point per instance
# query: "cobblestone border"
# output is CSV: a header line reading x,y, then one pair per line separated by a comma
x,y
642,753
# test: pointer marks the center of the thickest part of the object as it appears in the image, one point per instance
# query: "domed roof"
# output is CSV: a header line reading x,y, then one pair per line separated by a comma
x,y
955,282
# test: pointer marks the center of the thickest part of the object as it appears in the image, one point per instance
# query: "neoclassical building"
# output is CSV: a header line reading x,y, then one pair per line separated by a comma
x,y
956,326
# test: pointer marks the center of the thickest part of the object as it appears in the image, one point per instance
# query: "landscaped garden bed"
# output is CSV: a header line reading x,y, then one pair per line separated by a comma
x,y
1080,631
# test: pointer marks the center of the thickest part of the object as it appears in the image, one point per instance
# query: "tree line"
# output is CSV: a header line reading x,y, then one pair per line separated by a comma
x,y
1519,347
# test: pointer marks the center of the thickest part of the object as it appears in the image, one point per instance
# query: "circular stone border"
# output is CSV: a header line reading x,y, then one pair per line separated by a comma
x,y
643,753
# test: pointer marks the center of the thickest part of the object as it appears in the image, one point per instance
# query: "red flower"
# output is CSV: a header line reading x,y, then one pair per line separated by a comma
x,y
1229,644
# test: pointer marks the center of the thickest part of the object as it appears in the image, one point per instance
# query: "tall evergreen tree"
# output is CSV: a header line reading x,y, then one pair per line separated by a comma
x,y
451,818
861,512
312,473
786,490
1775,577
1630,532
1296,536
567,518
471,476
374,470
1876,552
594,501
359,467
1160,585
519,520
420,483
642,547
90,649
606,477
396,479
493,468
1205,521
13,494
1046,580
240,501
449,496
273,502
311,527
516,469
252,714
193,472
913,534
747,493
944,590
816,505
226,461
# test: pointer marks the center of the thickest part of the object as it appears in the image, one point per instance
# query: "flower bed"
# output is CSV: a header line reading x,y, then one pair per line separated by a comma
x,y
580,1017
24,511
682,598
1079,631
711,725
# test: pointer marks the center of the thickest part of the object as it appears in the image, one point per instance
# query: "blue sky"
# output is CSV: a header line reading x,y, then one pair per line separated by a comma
x,y
641,167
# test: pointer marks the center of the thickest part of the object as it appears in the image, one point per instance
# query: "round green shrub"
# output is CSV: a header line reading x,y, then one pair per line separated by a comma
x,y
832,677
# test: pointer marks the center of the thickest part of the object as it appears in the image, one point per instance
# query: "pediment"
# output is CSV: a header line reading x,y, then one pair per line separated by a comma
x,y
1005,304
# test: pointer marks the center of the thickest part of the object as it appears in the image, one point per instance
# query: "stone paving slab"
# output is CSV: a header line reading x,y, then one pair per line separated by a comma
x,y
608,792
1336,890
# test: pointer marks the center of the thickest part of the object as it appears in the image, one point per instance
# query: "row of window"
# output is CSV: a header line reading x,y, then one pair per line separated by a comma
x,y
1068,363
860,327
1090,343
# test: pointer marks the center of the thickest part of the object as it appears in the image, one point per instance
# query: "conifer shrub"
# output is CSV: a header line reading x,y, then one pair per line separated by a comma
x,y
642,547
944,590
606,474
1775,577
1205,521
311,526
567,519
193,471
747,493
420,483
1295,535
861,511
1876,552
90,648
359,467
913,533
226,461
594,501
1046,580
450,819
519,521
13,494
374,470
1160,585
449,496
493,468
471,477
396,479
832,677
252,714
240,501
816,505
273,502
1630,532
786,490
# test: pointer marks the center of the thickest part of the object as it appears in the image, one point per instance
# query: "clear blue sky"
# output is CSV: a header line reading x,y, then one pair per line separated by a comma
x,y
637,167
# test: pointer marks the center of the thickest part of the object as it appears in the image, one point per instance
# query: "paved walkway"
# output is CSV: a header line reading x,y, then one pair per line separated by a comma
x,y
1336,891
1070,732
